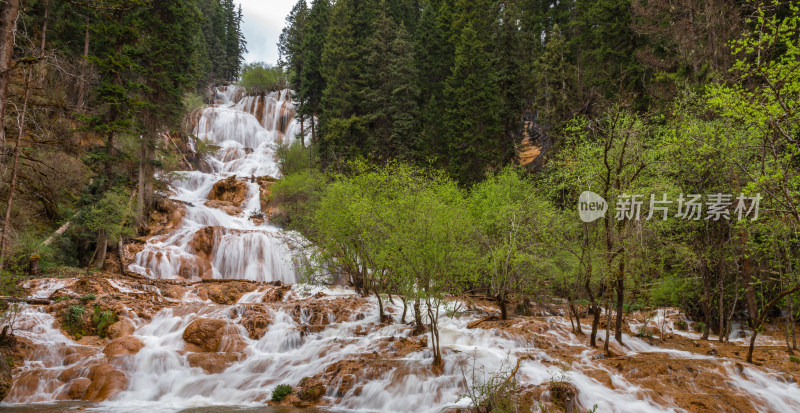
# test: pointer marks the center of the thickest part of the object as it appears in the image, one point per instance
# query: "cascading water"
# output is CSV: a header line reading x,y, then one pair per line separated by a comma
x,y
304,332
246,129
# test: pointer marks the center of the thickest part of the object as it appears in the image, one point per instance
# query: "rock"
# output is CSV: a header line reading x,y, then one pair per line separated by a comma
x,y
5,379
213,363
229,190
205,333
228,293
193,267
204,241
77,388
123,346
165,217
565,395
228,207
311,389
121,328
255,323
106,383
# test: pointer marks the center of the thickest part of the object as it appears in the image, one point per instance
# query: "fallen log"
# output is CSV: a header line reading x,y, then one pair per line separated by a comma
x,y
29,300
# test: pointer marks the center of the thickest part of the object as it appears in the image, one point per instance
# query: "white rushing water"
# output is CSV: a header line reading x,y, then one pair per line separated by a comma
x,y
246,129
160,377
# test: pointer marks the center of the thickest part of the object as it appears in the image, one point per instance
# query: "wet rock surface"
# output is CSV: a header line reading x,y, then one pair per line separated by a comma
x,y
229,190
236,334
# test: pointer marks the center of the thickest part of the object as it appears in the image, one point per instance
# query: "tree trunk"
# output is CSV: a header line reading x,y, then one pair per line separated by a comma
x,y
608,325
706,298
381,314
102,248
9,11
84,62
501,302
722,327
620,299
419,327
14,173
44,28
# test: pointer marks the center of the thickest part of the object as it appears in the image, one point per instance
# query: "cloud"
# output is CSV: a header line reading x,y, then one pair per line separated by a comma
x,y
262,24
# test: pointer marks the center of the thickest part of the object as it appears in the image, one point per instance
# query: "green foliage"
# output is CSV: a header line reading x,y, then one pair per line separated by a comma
x,y
280,392
111,214
102,319
794,359
260,78
294,157
88,297
73,321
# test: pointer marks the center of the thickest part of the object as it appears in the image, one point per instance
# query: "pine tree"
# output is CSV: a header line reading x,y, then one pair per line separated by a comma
x,y
312,82
472,110
344,128
290,46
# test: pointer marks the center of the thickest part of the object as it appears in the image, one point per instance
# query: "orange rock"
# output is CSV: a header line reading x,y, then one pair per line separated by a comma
x,y
205,333
77,388
229,190
123,346
228,207
121,328
107,382
213,363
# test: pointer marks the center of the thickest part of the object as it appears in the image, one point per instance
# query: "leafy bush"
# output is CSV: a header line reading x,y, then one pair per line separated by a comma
x,y
681,324
298,195
794,359
73,321
281,392
102,319
260,78
293,158
88,297
699,326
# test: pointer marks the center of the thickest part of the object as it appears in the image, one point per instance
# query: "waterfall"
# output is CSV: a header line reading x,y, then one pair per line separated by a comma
x,y
246,130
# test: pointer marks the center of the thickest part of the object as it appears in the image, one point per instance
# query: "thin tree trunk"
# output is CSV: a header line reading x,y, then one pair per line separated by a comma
x,y
102,248
722,326
84,62
9,11
501,302
608,325
620,299
706,298
44,28
14,172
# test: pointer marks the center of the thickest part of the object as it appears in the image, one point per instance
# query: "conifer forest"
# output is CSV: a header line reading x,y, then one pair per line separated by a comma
x,y
455,206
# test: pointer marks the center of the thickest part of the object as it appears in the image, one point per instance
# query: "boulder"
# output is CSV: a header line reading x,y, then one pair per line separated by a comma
x,y
213,363
123,346
106,383
229,190
77,388
229,292
205,333
311,389
227,207
121,328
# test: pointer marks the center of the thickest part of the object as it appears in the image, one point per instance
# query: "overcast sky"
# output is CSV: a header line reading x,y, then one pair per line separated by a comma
x,y
263,22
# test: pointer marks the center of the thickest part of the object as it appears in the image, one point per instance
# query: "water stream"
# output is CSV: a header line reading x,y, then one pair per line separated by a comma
x,y
160,378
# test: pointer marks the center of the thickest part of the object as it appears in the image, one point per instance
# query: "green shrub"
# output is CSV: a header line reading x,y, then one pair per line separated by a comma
x,y
298,194
293,158
699,326
794,359
88,297
260,78
73,321
102,319
681,324
281,392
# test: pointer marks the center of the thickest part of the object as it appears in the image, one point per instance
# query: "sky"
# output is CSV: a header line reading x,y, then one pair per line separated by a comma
x,y
262,25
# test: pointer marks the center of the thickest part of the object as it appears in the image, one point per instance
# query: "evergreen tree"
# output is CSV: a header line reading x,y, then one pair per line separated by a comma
x,y
344,128
472,111
392,93
312,82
